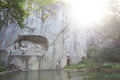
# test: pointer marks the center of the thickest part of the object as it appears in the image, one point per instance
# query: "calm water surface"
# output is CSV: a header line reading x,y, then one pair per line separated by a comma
x,y
60,75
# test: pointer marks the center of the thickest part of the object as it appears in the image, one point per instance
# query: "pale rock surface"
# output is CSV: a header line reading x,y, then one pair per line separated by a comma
x,y
44,44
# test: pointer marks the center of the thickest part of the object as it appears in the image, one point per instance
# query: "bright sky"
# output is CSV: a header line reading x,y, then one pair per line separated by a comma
x,y
88,12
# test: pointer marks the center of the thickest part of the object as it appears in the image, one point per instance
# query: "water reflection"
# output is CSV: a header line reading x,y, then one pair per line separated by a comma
x,y
60,75
36,75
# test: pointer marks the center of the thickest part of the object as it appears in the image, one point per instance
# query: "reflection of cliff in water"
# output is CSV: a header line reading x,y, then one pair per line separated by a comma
x,y
37,75
60,75
43,75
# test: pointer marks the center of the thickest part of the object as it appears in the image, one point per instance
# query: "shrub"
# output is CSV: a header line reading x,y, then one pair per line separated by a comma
x,y
2,68
76,66
107,65
116,67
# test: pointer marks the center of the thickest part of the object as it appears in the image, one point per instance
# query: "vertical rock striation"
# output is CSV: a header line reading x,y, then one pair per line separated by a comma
x,y
44,42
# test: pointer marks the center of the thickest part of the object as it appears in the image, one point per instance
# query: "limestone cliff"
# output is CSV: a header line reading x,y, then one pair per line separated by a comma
x,y
45,41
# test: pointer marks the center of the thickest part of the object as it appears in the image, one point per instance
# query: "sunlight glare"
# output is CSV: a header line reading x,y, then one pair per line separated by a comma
x,y
87,11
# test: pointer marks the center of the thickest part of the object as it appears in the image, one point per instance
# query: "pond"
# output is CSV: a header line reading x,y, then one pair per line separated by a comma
x,y
60,75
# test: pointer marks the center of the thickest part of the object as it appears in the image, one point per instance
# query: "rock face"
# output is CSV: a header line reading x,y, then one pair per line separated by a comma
x,y
38,46
44,43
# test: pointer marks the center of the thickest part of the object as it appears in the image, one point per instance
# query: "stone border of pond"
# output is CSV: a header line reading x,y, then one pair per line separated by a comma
x,y
6,72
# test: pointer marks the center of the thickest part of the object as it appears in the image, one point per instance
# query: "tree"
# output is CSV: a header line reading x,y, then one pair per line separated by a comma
x,y
111,54
12,11
114,23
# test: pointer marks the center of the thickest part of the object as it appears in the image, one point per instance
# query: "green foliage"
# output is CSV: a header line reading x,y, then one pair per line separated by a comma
x,y
86,63
112,25
93,54
45,2
41,6
106,54
107,65
111,54
76,66
12,11
105,76
45,16
114,6
2,68
113,66
38,4
94,66
116,67
1,63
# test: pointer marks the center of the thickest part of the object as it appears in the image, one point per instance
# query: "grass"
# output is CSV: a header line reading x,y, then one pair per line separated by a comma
x,y
95,66
76,66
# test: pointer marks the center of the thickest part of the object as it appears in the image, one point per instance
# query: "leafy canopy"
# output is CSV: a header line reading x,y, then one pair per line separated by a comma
x,y
12,11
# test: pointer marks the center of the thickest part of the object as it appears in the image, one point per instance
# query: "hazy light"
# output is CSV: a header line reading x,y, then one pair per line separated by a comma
x,y
87,11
